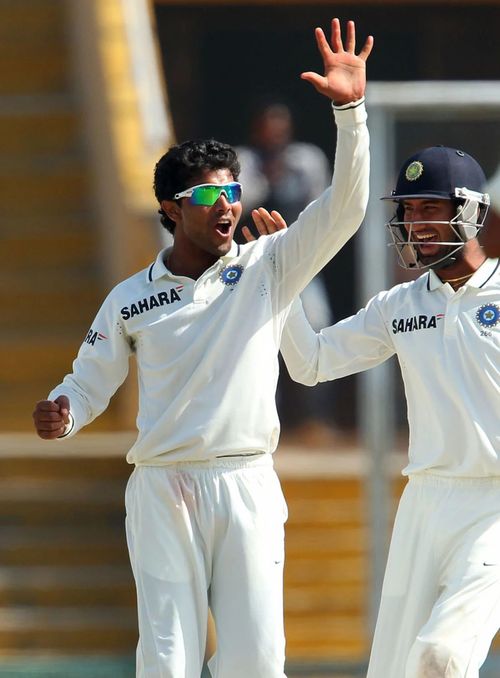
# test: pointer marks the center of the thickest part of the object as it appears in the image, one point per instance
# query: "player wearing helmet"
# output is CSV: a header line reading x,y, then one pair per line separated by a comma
x,y
440,605
441,208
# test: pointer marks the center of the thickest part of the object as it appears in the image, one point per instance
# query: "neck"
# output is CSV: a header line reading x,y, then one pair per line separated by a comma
x,y
463,269
189,266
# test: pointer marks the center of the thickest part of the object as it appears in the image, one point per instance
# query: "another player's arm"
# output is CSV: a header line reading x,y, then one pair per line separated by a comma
x,y
352,345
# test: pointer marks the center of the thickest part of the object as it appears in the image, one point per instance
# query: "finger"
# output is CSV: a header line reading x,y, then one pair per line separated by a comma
x,y
47,406
269,223
279,221
319,82
247,234
63,402
367,48
51,426
336,38
322,42
350,37
261,217
47,416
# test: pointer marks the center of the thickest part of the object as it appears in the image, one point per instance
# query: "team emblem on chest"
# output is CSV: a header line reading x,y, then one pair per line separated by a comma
x,y
488,315
231,274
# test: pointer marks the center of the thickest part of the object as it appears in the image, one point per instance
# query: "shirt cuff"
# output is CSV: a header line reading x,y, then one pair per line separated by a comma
x,y
68,428
353,112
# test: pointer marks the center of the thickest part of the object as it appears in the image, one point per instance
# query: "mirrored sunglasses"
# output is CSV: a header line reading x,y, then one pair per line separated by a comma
x,y
208,194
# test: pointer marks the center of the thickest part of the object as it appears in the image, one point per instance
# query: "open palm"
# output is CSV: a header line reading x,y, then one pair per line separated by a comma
x,y
345,71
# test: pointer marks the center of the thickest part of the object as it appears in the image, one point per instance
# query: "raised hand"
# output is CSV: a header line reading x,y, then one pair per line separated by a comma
x,y
345,72
265,222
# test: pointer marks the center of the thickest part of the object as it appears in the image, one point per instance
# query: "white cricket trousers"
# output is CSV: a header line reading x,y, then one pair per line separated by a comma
x,y
440,606
206,534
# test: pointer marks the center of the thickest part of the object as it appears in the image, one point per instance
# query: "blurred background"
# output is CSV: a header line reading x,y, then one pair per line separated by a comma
x,y
92,92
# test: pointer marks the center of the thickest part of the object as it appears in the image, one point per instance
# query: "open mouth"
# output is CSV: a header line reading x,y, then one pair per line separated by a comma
x,y
223,228
425,236
427,240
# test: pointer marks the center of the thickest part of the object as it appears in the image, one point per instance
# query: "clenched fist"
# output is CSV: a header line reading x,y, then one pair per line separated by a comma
x,y
51,416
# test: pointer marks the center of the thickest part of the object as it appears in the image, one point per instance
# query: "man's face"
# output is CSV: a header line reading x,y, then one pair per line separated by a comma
x,y
204,229
422,212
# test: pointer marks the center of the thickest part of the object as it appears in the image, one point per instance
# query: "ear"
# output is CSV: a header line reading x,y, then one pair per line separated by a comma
x,y
171,209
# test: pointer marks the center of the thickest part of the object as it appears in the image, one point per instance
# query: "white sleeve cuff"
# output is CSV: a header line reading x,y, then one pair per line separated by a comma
x,y
353,112
68,428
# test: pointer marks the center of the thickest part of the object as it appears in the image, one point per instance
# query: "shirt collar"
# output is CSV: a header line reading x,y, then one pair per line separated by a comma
x,y
158,268
478,280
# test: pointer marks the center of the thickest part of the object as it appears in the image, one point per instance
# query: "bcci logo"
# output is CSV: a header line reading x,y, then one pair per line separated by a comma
x,y
488,315
231,274
414,170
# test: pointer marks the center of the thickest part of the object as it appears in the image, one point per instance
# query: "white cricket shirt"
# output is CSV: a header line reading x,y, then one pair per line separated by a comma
x,y
207,349
448,347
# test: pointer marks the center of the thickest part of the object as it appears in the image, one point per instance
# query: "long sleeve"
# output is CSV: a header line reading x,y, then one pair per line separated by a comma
x,y
98,370
327,223
351,345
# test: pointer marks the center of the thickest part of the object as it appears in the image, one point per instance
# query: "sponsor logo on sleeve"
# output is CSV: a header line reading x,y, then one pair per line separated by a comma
x,y
93,336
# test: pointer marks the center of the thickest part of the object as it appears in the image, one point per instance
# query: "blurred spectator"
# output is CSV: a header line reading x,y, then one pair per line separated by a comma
x,y
490,234
280,173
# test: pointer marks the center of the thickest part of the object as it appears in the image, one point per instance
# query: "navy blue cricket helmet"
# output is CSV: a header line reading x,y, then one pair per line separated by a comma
x,y
443,173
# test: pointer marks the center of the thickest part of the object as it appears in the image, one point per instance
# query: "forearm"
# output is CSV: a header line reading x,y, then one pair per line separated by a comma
x,y
352,345
300,347
327,224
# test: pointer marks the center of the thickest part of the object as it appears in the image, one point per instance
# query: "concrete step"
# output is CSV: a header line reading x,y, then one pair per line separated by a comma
x,y
89,545
77,245
30,129
33,48
42,304
310,570
63,586
333,598
17,402
86,456
317,636
34,502
55,186
39,20
34,664
68,629
325,542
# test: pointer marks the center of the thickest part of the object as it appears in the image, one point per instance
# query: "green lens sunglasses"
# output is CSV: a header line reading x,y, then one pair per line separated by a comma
x,y
208,194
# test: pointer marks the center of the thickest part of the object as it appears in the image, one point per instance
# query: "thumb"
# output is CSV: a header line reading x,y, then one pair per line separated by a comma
x,y
247,233
317,81
63,402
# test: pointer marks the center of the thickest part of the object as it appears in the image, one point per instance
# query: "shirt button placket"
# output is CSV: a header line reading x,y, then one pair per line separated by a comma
x,y
452,313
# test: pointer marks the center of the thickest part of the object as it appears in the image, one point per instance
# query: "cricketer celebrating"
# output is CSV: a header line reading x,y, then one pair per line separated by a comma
x,y
205,511
440,605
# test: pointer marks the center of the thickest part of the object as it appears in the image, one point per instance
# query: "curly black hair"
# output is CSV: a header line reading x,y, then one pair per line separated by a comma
x,y
183,162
